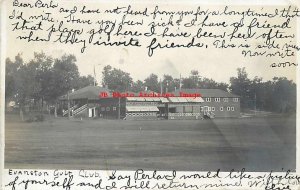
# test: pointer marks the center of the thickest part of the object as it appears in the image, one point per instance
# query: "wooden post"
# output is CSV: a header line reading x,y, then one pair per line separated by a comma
x,y
21,113
180,83
255,104
55,110
68,105
119,108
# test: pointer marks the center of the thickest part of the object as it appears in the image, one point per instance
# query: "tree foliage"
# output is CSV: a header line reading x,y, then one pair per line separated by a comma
x,y
116,79
65,75
197,81
42,78
240,85
277,95
168,84
137,86
151,82
84,81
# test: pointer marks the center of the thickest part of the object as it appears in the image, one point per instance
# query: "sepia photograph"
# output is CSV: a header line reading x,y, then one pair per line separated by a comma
x,y
58,118
121,86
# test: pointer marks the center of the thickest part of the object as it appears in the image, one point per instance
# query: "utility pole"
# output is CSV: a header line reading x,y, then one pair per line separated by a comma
x,y
255,104
55,110
119,108
95,74
161,87
167,86
180,83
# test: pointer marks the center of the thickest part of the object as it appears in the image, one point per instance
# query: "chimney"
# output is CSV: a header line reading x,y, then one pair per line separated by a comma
x,y
146,88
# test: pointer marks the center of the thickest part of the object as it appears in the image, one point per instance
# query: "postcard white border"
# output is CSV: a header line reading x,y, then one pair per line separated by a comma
x,y
206,2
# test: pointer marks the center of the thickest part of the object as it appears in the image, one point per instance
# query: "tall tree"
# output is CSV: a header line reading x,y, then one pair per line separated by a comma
x,y
10,88
194,75
222,86
266,96
42,67
207,83
284,95
240,85
12,78
137,86
256,94
189,83
65,75
116,79
84,81
151,82
168,83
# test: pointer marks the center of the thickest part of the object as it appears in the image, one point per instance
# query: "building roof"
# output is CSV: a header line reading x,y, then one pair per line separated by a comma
x,y
142,108
185,99
88,92
92,93
210,93
148,96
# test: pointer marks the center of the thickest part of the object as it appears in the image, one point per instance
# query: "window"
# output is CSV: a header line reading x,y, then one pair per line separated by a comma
x,y
232,108
209,108
114,108
107,108
188,109
235,99
228,108
208,99
172,110
212,108
225,99
221,108
217,99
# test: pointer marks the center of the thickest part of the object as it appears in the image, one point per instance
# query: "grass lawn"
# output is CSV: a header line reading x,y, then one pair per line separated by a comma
x,y
257,144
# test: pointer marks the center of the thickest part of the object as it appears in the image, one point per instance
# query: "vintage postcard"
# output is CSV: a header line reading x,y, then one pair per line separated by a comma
x,y
149,94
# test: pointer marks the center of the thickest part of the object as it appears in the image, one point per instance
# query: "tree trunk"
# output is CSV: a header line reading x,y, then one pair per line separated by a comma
x,y
55,111
21,113
42,108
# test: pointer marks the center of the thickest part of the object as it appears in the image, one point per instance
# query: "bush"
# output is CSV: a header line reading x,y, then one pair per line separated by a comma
x,y
35,118
40,117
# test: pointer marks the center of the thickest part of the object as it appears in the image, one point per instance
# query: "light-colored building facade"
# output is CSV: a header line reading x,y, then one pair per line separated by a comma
x,y
217,103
